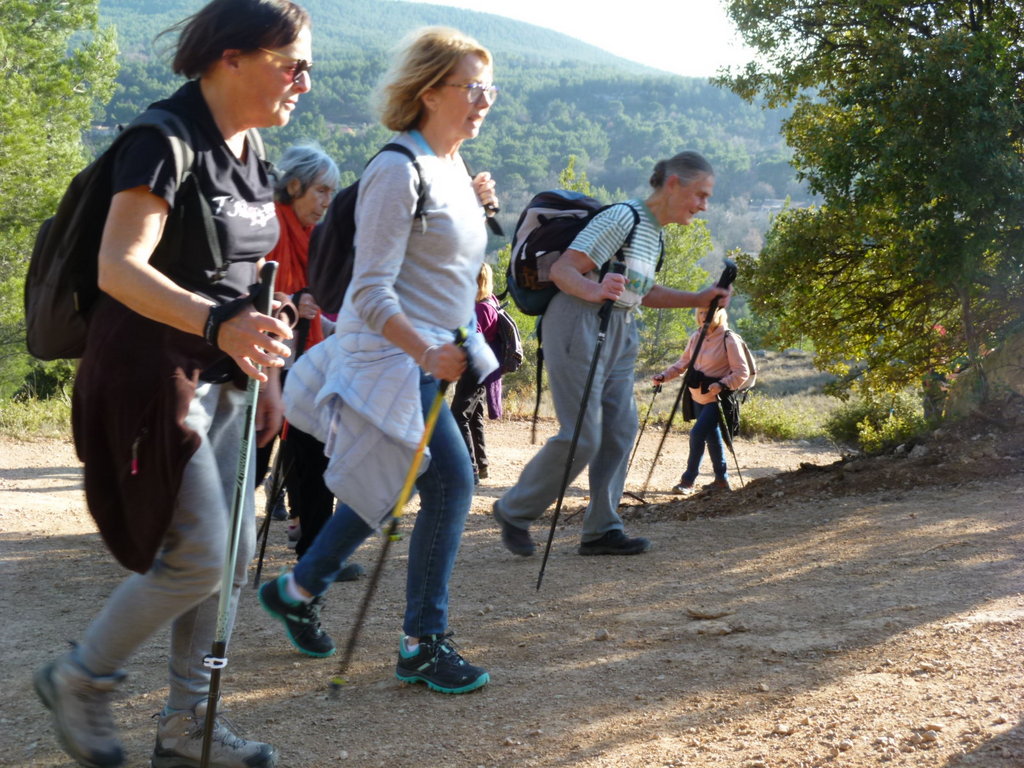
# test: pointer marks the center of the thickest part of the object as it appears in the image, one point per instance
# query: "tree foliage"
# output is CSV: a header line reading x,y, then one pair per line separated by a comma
x,y
907,120
56,66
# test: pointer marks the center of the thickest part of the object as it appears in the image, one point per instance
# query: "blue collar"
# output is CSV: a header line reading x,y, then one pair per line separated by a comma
x,y
422,142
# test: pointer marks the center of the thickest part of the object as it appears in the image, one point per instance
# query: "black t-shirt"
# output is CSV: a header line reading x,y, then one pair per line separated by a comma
x,y
239,195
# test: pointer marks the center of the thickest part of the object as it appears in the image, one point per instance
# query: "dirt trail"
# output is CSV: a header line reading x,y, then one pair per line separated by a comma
x,y
851,616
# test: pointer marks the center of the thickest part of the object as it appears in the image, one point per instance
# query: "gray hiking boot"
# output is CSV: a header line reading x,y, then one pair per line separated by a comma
x,y
80,704
179,744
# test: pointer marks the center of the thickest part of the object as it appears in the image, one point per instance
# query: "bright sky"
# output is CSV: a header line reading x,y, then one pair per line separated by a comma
x,y
687,37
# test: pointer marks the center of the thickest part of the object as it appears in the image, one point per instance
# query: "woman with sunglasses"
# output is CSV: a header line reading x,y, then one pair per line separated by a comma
x,y
413,284
159,402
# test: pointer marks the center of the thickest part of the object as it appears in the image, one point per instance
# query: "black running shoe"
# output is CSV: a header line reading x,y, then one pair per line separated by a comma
x,y
614,543
301,620
440,666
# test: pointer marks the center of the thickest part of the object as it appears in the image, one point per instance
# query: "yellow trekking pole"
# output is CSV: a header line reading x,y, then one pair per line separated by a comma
x,y
392,532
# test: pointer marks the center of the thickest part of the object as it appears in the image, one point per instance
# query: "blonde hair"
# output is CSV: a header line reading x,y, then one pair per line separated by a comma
x,y
484,282
720,318
425,57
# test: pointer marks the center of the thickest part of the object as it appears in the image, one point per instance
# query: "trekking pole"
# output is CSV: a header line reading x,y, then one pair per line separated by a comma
x,y
279,472
217,659
727,437
392,532
639,437
726,279
605,313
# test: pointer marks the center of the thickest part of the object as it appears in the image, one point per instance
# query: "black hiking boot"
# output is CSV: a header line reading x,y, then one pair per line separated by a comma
x,y
516,540
615,543
301,620
440,666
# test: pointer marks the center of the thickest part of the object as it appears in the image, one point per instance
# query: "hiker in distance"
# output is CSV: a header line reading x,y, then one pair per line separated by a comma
x,y
681,187
720,366
413,284
158,411
306,180
472,398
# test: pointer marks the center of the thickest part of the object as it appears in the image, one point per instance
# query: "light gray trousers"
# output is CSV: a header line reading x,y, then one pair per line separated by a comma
x,y
569,332
182,586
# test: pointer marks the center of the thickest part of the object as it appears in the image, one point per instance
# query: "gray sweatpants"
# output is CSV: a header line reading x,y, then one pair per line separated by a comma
x,y
183,584
569,331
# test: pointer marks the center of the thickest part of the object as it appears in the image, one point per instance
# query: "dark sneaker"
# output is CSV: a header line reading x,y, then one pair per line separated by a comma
x,y
280,511
717,485
301,620
516,540
179,744
614,543
440,666
80,704
350,572
294,534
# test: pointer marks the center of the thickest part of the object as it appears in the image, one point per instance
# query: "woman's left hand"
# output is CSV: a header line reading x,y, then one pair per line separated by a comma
x,y
445,361
483,185
308,308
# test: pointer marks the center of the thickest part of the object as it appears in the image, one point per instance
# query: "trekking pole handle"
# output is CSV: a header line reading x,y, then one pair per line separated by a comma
x,y
265,298
727,278
605,313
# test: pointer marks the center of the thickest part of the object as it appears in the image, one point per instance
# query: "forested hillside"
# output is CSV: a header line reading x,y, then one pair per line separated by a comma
x,y
559,97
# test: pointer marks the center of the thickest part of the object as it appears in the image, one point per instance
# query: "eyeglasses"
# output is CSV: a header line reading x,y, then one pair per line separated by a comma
x,y
297,67
474,91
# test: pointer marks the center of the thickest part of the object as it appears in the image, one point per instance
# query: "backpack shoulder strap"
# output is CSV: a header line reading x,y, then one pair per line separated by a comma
x,y
401,149
629,236
177,133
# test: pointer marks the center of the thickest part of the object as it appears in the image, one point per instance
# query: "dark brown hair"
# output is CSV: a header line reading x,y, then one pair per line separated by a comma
x,y
233,24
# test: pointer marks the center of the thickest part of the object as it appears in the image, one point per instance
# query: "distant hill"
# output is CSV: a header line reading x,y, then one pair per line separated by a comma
x,y
559,97
341,26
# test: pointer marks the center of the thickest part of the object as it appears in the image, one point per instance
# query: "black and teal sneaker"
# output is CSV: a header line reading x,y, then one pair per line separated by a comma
x,y
440,666
301,620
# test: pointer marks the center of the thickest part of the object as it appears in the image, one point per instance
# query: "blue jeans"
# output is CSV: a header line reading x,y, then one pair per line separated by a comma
x,y
706,430
446,491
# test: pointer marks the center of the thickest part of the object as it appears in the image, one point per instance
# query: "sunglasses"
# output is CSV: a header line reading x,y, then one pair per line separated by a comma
x,y
297,67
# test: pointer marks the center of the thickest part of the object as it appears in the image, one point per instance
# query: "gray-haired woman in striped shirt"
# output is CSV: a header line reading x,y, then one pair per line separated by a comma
x,y
681,187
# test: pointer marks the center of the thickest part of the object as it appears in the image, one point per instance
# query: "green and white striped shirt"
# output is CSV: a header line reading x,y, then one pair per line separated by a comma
x,y
606,233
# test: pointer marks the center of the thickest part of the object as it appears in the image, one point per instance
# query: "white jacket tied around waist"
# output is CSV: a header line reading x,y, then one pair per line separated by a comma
x,y
360,396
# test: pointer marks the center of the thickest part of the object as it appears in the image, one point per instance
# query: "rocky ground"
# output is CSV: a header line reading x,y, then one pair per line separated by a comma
x,y
830,613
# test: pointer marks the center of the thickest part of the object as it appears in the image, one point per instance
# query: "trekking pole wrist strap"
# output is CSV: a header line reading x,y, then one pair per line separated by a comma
x,y
219,314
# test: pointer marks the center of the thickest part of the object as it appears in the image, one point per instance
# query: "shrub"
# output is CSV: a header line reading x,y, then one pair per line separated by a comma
x,y
796,417
29,418
875,425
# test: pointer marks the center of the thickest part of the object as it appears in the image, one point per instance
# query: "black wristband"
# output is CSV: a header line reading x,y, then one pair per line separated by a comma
x,y
221,312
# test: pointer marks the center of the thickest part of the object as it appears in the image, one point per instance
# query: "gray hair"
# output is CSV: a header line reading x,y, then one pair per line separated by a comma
x,y
688,166
307,163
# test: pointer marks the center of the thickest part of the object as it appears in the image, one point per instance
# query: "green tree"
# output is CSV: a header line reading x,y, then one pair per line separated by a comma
x,y
56,67
908,121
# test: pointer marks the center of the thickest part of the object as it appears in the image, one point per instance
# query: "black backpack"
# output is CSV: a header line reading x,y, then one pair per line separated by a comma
x,y
61,284
511,356
332,243
546,228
